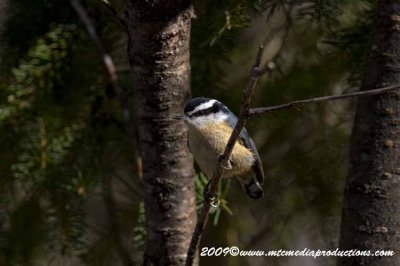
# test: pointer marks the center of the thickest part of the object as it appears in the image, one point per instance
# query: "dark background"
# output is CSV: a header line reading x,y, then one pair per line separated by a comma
x,y
67,173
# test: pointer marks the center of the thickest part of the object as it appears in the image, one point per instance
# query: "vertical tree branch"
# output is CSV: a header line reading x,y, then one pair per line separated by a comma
x,y
223,160
371,211
158,51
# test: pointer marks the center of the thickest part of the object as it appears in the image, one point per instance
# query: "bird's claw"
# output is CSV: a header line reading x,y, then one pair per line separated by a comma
x,y
214,201
227,165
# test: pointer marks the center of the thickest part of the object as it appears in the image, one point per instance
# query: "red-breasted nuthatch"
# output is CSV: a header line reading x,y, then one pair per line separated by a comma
x,y
210,125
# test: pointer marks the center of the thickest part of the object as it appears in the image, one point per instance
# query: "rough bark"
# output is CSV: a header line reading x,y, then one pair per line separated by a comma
x,y
158,48
371,213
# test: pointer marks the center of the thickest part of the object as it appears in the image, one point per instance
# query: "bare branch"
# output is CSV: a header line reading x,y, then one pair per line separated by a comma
x,y
262,110
223,160
113,78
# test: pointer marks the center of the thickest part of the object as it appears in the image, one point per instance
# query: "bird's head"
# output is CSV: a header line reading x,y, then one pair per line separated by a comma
x,y
201,111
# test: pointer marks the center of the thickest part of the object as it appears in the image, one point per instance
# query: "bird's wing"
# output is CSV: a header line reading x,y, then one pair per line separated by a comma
x,y
246,140
248,143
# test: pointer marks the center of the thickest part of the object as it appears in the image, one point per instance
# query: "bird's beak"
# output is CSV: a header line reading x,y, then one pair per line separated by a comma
x,y
180,117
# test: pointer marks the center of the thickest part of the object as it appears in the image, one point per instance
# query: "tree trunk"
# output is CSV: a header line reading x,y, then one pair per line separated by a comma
x,y
158,48
371,213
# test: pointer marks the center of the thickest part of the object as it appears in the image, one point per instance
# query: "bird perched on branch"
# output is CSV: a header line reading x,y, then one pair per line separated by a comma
x,y
210,125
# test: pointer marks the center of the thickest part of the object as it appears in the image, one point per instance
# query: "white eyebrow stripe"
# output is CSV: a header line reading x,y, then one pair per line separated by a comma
x,y
203,106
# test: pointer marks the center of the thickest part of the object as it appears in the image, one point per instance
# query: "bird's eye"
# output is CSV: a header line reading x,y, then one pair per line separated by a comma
x,y
199,113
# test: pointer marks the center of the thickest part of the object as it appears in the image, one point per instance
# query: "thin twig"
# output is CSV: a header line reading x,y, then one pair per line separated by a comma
x,y
113,77
223,160
114,12
262,110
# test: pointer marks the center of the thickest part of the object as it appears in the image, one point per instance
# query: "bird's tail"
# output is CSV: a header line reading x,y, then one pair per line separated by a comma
x,y
252,188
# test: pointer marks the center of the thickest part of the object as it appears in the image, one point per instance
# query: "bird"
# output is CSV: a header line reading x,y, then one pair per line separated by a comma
x,y
210,124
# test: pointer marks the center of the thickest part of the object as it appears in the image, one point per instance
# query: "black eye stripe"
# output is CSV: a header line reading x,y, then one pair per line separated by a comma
x,y
204,112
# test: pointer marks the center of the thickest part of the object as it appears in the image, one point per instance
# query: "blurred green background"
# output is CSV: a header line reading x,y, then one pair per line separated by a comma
x,y
69,193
